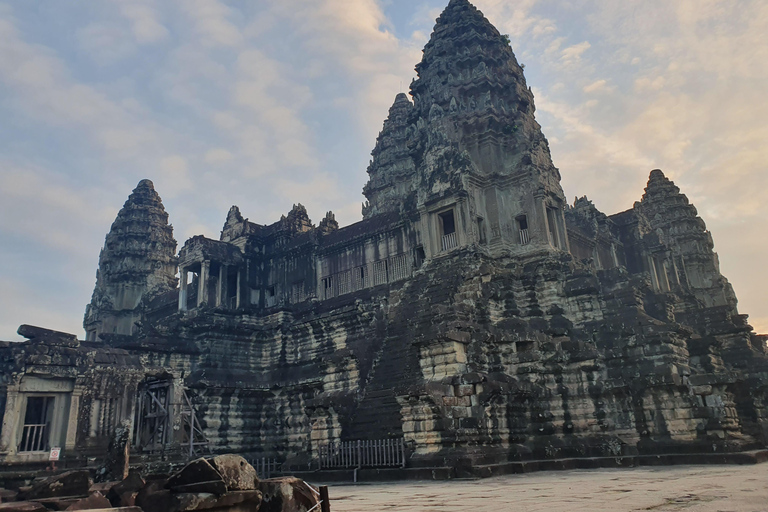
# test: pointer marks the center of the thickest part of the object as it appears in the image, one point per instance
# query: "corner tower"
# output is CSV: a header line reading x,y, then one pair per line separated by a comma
x,y
468,155
138,262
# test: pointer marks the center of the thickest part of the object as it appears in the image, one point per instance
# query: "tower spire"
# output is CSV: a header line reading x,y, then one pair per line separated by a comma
x,y
138,262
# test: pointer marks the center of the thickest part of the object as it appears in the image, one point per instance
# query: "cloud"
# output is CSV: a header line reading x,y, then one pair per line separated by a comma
x,y
573,54
213,22
218,156
597,86
145,22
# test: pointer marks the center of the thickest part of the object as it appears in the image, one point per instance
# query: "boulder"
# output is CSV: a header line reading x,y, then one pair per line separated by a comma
x,y
93,502
237,474
71,483
22,506
154,497
287,494
235,501
196,477
120,509
8,495
58,503
124,493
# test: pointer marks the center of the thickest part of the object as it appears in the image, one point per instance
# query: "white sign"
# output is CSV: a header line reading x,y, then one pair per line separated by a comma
x,y
55,453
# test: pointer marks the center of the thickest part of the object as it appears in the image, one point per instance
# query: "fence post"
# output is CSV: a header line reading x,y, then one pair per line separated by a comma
x,y
359,462
325,502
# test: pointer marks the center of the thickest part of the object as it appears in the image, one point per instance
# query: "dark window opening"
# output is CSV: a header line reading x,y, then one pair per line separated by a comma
x,y
481,230
522,227
36,434
419,256
232,289
448,222
328,287
448,226
552,223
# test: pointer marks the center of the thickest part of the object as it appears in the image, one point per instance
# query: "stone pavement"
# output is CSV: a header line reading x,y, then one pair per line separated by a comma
x,y
688,488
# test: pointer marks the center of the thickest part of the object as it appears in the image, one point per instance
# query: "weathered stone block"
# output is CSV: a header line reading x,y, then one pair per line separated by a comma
x,y
94,501
237,473
22,506
71,483
287,494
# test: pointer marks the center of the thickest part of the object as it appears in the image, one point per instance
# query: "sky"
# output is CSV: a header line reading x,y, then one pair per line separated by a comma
x,y
267,103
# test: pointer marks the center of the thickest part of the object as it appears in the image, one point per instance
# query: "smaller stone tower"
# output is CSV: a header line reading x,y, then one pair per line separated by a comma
x,y
138,262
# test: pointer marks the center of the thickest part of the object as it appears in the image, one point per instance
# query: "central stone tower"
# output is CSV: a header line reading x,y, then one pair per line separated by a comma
x,y
469,151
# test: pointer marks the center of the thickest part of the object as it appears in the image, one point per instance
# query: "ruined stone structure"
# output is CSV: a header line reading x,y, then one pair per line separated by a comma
x,y
472,312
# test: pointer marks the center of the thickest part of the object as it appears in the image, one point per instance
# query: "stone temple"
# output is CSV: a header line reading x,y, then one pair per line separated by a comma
x,y
474,315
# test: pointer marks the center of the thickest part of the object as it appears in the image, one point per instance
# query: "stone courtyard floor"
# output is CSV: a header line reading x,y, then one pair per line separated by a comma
x,y
688,488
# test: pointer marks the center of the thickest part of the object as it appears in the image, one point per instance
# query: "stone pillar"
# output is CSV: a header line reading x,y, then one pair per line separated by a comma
x,y
239,296
183,289
202,284
221,286
11,421
74,410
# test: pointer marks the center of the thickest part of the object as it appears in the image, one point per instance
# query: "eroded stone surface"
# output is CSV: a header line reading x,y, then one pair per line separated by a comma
x,y
286,495
137,263
473,312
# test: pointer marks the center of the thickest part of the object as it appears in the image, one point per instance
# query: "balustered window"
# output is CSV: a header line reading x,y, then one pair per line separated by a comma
x,y
448,238
398,267
522,228
36,434
380,272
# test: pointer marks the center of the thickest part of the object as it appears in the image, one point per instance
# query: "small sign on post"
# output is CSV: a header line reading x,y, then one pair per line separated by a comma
x,y
53,457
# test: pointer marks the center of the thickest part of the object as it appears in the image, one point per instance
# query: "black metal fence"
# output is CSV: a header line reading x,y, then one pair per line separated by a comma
x,y
266,468
380,453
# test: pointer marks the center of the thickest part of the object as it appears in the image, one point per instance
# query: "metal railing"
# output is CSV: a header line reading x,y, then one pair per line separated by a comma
x,y
525,237
363,454
265,467
450,241
34,438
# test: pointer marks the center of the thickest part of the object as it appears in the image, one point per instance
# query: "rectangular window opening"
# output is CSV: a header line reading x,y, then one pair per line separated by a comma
x,y
554,236
419,257
448,230
481,230
522,227
35,436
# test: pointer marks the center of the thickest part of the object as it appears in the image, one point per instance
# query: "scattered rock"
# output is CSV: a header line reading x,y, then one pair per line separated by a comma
x,y
197,476
237,473
71,483
287,494
236,501
22,506
58,503
154,497
93,502
7,495
124,493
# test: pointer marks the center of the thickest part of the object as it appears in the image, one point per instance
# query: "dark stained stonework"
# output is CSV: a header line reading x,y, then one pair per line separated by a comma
x,y
137,263
472,312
